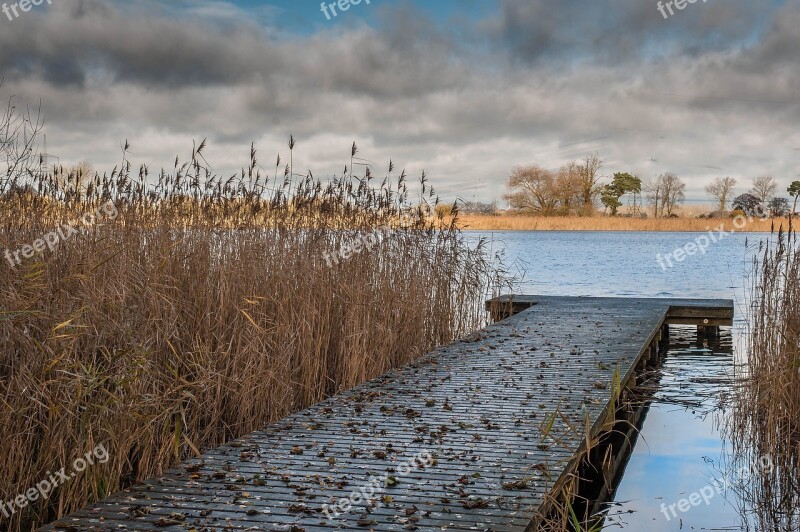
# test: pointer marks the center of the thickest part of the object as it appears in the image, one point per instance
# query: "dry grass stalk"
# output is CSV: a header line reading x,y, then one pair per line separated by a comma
x,y
766,406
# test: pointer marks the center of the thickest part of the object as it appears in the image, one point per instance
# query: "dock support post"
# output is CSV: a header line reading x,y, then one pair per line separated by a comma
x,y
663,341
707,331
654,358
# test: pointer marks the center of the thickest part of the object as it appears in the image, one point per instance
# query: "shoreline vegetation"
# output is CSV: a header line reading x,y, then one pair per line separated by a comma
x,y
765,420
201,307
520,222
576,197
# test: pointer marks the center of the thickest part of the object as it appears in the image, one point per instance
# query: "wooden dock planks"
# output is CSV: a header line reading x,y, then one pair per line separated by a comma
x,y
480,407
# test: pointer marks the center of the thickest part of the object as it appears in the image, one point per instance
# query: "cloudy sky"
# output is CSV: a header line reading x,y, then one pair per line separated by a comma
x,y
465,89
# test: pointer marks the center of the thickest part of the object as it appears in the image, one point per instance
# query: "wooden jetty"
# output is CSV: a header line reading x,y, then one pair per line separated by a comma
x,y
477,435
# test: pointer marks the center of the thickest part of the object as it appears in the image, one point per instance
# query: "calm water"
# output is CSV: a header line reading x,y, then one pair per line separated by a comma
x,y
622,264
680,448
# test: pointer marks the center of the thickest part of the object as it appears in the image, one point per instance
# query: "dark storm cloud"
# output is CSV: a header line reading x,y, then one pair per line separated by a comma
x,y
141,44
548,31
132,44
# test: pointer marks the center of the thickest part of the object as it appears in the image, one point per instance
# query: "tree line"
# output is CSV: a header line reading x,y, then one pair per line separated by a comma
x,y
761,196
572,189
575,189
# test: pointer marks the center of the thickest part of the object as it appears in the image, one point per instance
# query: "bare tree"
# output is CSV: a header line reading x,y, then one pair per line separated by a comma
x,y
588,175
764,188
573,188
82,169
653,191
19,131
674,193
720,189
532,188
567,187
664,193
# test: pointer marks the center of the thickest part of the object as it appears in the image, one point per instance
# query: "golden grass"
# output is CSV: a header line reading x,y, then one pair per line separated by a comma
x,y
765,425
509,222
204,311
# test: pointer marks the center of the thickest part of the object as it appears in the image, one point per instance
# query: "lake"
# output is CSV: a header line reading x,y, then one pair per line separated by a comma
x,y
623,263
680,450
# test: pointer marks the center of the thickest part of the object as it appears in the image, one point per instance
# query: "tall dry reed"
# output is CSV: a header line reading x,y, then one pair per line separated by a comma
x,y
765,418
206,309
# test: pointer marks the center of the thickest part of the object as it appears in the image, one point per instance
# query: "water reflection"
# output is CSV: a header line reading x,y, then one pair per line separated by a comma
x,y
680,450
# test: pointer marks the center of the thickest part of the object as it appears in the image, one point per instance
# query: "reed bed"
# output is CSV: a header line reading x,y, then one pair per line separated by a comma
x,y
205,309
764,421
511,222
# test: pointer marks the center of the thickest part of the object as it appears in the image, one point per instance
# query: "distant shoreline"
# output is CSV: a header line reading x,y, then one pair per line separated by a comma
x,y
618,224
